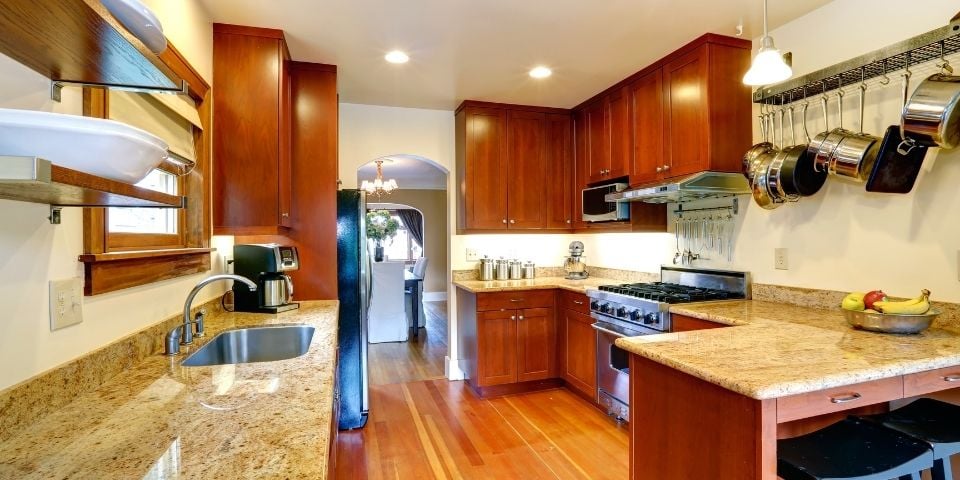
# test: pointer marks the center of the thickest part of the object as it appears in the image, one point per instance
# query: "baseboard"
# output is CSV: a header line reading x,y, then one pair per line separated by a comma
x,y
514,388
434,296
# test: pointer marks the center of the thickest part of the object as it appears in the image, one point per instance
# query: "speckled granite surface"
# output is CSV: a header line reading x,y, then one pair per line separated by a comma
x,y
540,283
610,275
160,420
775,349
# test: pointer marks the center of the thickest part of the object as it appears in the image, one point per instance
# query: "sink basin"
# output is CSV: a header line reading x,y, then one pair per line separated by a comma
x,y
254,344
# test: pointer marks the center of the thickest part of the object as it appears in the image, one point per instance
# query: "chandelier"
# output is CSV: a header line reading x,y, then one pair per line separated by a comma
x,y
379,186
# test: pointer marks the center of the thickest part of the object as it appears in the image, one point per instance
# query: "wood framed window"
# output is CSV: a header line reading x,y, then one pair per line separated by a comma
x,y
129,247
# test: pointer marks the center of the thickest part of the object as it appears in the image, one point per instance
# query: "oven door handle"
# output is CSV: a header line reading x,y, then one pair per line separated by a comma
x,y
596,326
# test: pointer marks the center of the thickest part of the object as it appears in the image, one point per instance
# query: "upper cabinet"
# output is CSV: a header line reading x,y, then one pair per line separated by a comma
x,y
251,143
686,113
515,167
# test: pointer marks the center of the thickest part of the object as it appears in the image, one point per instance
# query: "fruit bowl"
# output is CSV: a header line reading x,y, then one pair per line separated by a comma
x,y
890,323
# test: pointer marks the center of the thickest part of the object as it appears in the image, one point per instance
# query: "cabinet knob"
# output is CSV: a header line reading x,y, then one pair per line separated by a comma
x,y
513,221
666,167
659,169
568,220
521,317
504,220
513,317
285,215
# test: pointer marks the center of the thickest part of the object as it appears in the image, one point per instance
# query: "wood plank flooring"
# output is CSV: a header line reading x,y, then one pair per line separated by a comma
x,y
439,429
409,361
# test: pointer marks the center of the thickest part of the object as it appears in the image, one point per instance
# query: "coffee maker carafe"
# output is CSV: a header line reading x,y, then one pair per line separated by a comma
x,y
265,264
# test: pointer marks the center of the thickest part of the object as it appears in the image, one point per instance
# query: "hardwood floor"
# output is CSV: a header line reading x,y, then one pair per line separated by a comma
x,y
439,429
409,361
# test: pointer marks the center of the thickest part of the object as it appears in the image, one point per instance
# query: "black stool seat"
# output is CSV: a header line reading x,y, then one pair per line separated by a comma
x,y
852,449
932,421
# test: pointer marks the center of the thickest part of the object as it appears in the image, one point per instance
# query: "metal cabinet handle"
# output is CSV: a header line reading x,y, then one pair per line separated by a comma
x,y
516,299
578,302
285,215
521,317
513,317
951,378
666,167
659,169
849,398
504,220
568,220
513,221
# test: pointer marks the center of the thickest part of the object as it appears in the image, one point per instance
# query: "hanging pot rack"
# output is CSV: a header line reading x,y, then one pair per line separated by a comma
x,y
933,45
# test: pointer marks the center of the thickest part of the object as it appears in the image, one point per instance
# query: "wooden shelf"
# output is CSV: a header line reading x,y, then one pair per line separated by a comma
x,y
78,41
36,180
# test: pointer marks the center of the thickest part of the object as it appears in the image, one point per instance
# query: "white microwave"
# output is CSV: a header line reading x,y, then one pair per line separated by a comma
x,y
596,208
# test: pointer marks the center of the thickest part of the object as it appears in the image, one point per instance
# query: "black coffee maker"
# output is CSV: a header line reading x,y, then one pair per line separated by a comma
x,y
266,265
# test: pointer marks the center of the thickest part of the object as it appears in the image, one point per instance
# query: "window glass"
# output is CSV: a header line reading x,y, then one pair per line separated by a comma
x,y
403,246
147,220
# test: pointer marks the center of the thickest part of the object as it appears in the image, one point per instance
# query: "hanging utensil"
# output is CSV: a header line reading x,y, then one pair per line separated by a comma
x,y
894,170
832,140
931,117
856,153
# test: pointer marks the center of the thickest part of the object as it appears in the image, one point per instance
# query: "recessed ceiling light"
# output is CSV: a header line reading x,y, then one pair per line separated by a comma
x,y
540,72
397,56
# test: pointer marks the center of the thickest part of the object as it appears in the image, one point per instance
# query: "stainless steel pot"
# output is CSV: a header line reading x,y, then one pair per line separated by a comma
x,y
828,141
760,186
855,154
931,117
751,159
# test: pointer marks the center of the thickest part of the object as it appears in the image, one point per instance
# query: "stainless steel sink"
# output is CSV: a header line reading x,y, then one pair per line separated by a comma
x,y
254,344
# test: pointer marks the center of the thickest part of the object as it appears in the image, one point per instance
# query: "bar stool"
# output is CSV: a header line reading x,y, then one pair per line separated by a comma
x,y
853,449
932,421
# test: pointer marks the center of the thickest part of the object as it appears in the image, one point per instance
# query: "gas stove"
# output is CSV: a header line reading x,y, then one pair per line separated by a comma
x,y
644,307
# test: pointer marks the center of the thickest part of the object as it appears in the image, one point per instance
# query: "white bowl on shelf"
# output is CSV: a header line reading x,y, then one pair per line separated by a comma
x,y
140,21
104,148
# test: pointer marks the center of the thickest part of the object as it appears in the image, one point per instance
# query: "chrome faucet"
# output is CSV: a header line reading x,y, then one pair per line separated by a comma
x,y
183,334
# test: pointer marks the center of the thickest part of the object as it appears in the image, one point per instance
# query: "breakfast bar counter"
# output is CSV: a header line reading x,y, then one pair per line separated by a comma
x,y
773,371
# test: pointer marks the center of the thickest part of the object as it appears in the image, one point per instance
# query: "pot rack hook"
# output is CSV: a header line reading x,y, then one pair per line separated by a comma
x,y
943,64
884,79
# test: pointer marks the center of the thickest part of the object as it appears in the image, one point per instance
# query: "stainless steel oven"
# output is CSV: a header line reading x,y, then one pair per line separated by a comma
x,y
596,208
613,366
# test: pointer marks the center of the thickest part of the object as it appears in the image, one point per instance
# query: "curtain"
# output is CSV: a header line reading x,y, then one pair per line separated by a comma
x,y
413,220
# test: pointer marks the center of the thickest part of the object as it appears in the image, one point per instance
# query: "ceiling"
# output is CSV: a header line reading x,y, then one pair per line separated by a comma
x,y
482,49
410,171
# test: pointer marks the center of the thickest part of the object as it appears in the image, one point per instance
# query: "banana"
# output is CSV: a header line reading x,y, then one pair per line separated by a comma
x,y
853,301
914,306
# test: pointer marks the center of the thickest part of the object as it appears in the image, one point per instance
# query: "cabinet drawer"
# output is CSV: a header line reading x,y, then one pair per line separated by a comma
x,y
577,302
836,399
515,300
931,381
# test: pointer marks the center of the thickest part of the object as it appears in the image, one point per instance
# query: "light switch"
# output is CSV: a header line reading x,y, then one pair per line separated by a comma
x,y
66,303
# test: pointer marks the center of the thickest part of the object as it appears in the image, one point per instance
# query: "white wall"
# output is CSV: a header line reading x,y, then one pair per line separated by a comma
x,y
845,238
33,252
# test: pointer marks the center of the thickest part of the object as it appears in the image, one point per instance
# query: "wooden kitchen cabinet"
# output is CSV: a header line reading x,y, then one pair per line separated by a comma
x,y
580,352
646,109
514,167
608,136
683,323
508,340
252,139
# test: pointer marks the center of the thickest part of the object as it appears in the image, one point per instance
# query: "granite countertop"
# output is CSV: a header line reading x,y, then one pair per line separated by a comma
x,y
773,349
539,283
159,420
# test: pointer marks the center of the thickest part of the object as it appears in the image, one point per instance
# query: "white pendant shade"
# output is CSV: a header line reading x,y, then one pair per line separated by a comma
x,y
379,186
768,67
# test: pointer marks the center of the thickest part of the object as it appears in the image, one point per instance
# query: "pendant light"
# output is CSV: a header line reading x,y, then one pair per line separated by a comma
x,y
768,66
379,186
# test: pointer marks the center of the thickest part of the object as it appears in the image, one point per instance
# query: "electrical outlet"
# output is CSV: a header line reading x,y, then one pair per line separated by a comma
x,y
227,259
66,307
473,255
780,259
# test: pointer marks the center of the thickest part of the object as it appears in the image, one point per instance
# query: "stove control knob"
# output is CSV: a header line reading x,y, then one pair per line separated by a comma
x,y
651,318
594,305
636,315
605,308
622,312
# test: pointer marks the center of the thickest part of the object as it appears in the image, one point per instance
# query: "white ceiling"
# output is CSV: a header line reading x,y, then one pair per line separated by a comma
x,y
482,49
410,171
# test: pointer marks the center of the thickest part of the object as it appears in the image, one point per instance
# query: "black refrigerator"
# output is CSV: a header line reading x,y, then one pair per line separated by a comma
x,y
353,280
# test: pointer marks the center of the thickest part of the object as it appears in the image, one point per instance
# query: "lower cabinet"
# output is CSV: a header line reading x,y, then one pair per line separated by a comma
x,y
580,352
516,346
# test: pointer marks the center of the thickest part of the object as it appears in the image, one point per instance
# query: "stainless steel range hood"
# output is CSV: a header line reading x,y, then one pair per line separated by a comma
x,y
697,186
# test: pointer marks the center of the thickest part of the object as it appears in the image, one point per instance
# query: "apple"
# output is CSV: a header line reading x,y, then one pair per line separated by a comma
x,y
874,296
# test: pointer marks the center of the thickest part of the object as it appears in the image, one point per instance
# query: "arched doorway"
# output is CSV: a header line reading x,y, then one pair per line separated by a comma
x,y
422,188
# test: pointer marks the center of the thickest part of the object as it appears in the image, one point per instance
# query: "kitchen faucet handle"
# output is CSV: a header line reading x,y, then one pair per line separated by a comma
x,y
198,320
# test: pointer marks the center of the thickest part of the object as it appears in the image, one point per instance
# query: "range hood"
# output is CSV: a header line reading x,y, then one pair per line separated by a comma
x,y
697,186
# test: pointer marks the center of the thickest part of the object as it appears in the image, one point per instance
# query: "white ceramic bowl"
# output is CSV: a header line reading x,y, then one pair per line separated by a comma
x,y
105,148
140,21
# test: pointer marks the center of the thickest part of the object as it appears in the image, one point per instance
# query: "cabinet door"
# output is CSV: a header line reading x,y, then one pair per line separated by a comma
x,y
246,143
598,142
580,165
536,344
526,165
285,167
497,347
559,173
485,189
617,106
580,352
646,107
686,127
